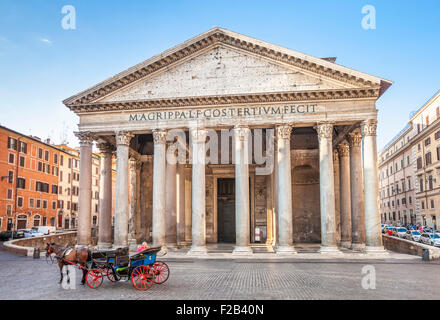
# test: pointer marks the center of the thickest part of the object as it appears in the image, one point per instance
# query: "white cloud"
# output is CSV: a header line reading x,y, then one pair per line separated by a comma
x,y
45,40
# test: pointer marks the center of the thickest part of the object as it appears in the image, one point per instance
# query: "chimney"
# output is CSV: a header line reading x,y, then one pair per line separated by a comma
x,y
48,140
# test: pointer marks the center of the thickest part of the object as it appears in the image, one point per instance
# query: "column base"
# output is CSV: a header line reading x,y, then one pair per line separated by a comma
x,y
330,250
285,249
358,246
197,251
242,250
376,250
346,244
104,245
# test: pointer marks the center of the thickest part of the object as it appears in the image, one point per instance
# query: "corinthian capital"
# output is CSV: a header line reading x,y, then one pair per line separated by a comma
x,y
105,147
355,139
198,135
241,133
123,137
159,136
368,127
85,138
324,130
344,149
283,132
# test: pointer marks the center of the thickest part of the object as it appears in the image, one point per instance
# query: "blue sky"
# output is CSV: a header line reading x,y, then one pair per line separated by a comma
x,y
41,63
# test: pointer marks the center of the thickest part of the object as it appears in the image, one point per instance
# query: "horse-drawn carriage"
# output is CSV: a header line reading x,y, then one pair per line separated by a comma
x,y
116,265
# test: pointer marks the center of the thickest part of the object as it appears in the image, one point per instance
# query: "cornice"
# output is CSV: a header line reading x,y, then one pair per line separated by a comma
x,y
218,100
213,39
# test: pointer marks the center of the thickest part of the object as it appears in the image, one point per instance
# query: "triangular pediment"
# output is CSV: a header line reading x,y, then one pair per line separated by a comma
x,y
224,71
221,63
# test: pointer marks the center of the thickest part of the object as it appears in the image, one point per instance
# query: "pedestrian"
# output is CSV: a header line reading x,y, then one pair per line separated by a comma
x,y
142,247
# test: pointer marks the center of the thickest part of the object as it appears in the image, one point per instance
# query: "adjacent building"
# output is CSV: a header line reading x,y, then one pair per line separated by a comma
x,y
409,168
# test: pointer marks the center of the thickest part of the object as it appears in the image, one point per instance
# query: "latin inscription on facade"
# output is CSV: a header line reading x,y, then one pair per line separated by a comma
x,y
213,113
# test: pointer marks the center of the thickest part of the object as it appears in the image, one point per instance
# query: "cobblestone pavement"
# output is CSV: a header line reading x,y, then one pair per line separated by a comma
x,y
27,278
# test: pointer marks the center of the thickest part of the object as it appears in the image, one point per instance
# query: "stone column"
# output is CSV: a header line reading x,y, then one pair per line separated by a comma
x,y
327,191
85,189
198,139
170,199
159,190
337,196
105,195
357,192
180,202
284,191
133,216
138,219
241,136
188,205
123,139
373,236
344,164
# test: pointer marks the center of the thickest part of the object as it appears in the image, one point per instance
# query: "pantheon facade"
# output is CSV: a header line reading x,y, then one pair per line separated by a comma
x,y
314,118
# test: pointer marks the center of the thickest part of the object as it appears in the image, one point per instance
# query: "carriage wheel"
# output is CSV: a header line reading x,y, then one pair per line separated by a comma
x,y
110,275
142,278
161,272
94,278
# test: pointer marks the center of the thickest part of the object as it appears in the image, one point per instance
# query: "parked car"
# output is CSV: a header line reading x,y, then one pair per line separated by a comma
x,y
413,235
399,232
435,239
44,229
30,233
389,230
6,235
425,238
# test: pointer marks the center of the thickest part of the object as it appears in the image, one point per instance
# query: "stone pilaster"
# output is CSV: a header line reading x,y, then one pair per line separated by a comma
x,y
327,185
159,190
188,204
241,137
357,192
85,188
344,165
123,139
105,197
198,139
284,191
373,236
337,195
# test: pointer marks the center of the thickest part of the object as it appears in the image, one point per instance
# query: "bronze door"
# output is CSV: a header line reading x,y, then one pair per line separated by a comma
x,y
226,210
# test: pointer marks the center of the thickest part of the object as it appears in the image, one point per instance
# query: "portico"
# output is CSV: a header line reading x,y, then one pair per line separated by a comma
x,y
224,124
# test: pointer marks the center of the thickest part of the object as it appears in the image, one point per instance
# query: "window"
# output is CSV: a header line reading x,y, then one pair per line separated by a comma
x,y
52,222
427,141
9,194
23,147
54,205
12,143
61,160
40,153
432,204
60,190
8,209
44,204
70,163
54,189
423,205
419,163
95,218
55,158
407,160
11,158
428,160
42,187
96,195
437,135
430,182
96,208
402,164
421,185
31,202
40,166
20,201
37,221
403,201
38,203
21,161
21,183
46,155
410,200
10,176
409,184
